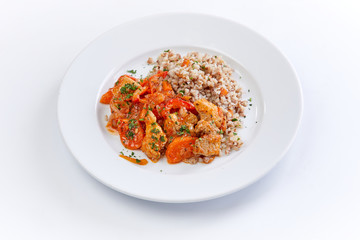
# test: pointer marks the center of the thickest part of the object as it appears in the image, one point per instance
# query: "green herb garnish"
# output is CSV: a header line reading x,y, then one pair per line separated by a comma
x,y
130,135
131,86
154,130
123,90
132,124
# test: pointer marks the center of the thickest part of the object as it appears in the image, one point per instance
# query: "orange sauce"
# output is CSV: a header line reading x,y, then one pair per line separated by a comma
x,y
133,160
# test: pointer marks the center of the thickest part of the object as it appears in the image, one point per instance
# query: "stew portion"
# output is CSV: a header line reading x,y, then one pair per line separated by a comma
x,y
148,115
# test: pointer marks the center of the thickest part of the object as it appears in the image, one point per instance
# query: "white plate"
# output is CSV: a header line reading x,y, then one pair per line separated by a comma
x,y
270,126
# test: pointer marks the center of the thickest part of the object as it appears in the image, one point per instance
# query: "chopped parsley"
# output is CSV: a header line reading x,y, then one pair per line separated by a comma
x,y
155,138
131,86
131,71
141,119
165,69
182,129
154,130
162,138
182,92
202,67
167,50
234,120
154,146
138,161
130,135
123,90
235,133
129,95
250,99
132,124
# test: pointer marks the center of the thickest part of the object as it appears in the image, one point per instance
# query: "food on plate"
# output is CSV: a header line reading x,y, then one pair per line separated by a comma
x,y
188,109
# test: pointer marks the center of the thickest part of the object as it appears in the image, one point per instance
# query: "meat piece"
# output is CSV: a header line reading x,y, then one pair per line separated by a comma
x,y
206,127
187,117
171,125
208,145
208,111
155,139
124,88
180,124
123,92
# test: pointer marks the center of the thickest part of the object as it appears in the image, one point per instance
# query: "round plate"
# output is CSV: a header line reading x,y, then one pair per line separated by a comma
x,y
266,76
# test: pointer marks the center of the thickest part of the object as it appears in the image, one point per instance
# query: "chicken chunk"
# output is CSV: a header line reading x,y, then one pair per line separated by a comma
x,y
125,88
179,124
187,117
155,139
122,91
208,111
206,127
208,145
171,125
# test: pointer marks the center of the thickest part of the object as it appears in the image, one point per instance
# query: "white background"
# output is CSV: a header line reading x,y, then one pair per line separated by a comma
x,y
313,193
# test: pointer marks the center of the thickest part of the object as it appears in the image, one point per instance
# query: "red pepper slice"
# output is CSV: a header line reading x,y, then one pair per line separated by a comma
x,y
177,103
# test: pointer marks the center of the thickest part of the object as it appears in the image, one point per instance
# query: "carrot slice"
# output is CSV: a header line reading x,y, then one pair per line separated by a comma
x,y
131,133
186,63
179,149
223,92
